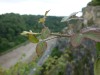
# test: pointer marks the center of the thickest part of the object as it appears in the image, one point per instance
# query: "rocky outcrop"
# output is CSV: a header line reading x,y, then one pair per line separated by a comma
x,y
91,14
82,57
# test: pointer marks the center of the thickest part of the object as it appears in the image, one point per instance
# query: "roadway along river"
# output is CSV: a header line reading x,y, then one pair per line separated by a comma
x,y
9,59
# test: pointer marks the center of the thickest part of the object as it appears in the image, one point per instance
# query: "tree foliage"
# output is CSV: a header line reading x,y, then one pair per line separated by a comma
x,y
11,25
94,3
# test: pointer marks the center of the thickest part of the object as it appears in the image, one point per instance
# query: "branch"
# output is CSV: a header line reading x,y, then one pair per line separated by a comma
x,y
44,25
55,34
36,33
61,35
50,38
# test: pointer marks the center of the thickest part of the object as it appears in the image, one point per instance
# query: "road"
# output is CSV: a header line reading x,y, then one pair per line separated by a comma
x,y
9,59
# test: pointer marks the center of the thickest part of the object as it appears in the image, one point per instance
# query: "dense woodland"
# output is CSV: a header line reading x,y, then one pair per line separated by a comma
x,y
11,25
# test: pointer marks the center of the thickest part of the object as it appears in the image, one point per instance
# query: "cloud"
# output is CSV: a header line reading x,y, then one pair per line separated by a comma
x,y
36,7
11,1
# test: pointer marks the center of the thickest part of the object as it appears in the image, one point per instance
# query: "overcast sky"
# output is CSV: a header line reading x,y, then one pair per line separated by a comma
x,y
38,7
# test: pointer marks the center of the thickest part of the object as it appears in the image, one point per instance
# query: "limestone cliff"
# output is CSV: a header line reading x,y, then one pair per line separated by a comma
x,y
83,56
91,14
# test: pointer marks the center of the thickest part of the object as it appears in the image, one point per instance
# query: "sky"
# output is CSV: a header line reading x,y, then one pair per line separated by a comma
x,y
38,7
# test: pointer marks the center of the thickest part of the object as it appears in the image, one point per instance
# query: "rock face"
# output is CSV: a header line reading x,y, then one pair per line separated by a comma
x,y
80,60
83,56
91,14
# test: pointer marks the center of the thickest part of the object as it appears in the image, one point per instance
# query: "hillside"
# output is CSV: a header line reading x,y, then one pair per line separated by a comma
x,y
25,53
11,25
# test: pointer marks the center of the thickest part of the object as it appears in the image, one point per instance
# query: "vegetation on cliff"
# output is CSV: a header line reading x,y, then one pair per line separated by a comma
x,y
94,3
